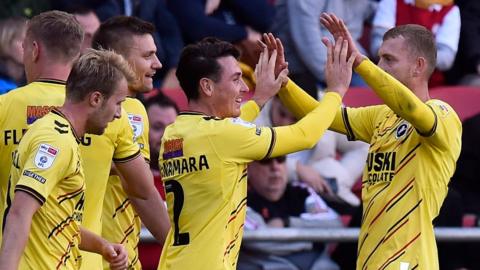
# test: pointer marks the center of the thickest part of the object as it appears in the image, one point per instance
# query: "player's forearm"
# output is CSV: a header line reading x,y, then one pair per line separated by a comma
x,y
249,111
91,242
15,238
153,214
300,103
297,100
306,132
17,229
397,96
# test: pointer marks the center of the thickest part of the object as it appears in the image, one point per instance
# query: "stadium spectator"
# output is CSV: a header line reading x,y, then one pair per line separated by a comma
x,y
466,70
205,152
414,145
90,23
297,25
239,22
46,188
440,17
12,33
161,111
274,202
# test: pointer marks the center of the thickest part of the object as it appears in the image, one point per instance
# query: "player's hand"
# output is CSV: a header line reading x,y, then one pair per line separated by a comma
x,y
311,177
338,69
338,29
116,255
272,44
268,84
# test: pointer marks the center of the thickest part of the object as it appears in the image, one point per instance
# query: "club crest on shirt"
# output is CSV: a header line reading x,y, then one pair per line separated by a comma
x,y
45,156
242,122
137,125
444,111
401,130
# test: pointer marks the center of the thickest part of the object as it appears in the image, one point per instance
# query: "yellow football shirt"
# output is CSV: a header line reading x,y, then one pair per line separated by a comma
x,y
47,166
18,109
23,106
203,163
406,177
121,223
97,153
404,184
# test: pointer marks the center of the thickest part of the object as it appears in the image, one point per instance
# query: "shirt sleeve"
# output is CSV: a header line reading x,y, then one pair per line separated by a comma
x,y
47,163
360,123
126,149
141,128
240,141
398,97
249,111
447,131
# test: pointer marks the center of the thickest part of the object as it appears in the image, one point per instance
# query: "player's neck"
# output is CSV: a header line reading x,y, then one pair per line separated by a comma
x,y
55,71
76,115
202,107
420,89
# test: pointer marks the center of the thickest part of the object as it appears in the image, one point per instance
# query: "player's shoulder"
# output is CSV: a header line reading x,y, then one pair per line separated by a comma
x,y
54,127
133,105
442,109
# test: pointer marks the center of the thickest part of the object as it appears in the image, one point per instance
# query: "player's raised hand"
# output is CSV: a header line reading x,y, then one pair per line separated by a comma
x,y
338,68
338,29
267,84
116,256
272,44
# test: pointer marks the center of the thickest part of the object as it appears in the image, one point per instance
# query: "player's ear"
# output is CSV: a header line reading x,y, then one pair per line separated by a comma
x,y
206,86
421,66
35,51
96,99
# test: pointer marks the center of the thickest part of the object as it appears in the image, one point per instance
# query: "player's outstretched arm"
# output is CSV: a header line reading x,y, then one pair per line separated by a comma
x,y
395,95
115,254
138,177
338,73
17,229
153,214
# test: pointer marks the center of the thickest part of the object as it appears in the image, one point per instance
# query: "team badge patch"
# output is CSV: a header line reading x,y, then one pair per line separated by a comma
x,y
45,156
137,125
242,122
401,130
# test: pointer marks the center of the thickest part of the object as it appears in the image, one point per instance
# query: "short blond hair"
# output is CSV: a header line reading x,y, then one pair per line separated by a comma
x,y
97,70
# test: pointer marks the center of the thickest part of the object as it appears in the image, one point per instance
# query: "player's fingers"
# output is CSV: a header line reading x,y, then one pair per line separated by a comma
x,y
261,45
351,59
343,53
282,77
337,49
272,60
280,48
328,44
